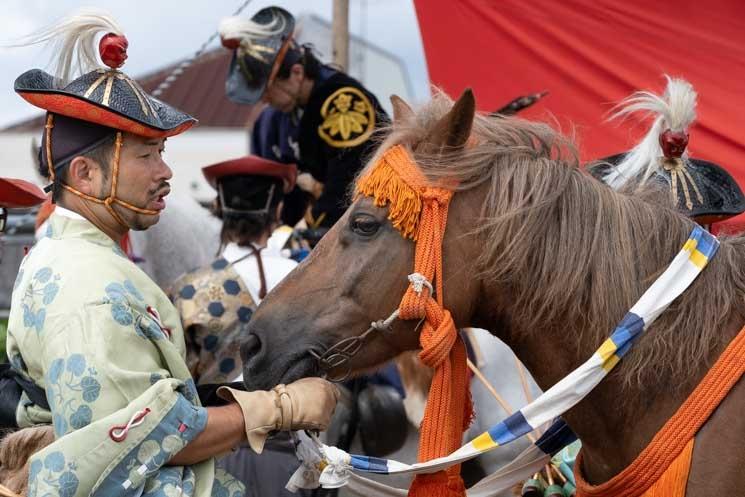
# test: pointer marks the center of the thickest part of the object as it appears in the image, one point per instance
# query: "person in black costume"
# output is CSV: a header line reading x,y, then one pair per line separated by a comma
x,y
334,116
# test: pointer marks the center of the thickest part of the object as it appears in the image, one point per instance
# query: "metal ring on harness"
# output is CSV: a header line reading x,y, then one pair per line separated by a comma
x,y
342,351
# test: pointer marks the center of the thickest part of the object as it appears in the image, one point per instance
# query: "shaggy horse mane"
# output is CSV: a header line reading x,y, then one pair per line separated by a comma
x,y
15,450
574,254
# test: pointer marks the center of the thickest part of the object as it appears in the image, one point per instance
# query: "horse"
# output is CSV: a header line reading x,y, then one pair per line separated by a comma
x,y
545,257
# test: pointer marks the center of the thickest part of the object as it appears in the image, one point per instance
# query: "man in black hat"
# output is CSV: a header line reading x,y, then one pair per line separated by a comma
x,y
91,331
335,115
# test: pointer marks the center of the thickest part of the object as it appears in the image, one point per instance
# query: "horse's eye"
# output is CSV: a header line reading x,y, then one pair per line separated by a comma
x,y
364,225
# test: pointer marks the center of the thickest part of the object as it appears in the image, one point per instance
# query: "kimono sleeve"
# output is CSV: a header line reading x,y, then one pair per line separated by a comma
x,y
98,361
118,412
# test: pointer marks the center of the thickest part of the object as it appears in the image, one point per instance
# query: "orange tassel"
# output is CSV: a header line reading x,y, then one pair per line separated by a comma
x,y
387,187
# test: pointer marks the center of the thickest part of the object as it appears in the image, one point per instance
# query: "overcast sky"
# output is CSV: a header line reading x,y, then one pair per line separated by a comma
x,y
163,31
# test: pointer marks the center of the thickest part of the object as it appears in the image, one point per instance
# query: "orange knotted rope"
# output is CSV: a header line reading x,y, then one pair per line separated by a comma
x,y
420,212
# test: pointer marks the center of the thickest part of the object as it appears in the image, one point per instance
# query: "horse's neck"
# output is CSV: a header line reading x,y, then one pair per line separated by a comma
x,y
613,427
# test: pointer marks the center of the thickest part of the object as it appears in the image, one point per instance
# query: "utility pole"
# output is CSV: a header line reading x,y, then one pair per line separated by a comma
x,y
340,33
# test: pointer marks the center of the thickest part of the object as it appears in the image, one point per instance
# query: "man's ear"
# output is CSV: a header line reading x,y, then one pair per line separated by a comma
x,y
84,174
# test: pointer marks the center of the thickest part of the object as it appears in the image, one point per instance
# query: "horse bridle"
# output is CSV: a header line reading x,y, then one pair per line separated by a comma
x,y
345,349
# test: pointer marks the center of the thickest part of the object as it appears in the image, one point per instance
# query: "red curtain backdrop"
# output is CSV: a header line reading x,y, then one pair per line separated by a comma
x,y
590,54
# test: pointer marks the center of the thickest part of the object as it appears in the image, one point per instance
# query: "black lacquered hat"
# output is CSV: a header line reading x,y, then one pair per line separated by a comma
x,y
107,97
702,190
259,45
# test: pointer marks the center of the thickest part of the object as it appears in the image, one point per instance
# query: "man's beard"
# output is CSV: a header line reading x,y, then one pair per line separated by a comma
x,y
138,224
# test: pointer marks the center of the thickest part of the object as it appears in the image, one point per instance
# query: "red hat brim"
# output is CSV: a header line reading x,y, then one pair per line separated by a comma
x,y
251,165
78,108
17,193
107,98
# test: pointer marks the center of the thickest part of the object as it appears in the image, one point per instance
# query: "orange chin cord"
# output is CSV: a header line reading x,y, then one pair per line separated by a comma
x,y
111,199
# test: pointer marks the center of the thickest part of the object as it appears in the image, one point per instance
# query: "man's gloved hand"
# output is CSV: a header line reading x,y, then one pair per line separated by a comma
x,y
306,404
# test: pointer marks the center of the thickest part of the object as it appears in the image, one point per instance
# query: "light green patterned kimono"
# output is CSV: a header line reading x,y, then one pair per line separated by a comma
x,y
105,343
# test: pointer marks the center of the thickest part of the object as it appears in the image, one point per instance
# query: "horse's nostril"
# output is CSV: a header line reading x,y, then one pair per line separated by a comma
x,y
250,348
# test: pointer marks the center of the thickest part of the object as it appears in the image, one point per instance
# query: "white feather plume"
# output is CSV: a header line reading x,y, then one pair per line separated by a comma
x,y
674,110
74,42
248,31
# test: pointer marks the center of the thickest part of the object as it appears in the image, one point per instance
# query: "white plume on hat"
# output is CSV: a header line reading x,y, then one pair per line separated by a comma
x,y
249,31
674,110
74,42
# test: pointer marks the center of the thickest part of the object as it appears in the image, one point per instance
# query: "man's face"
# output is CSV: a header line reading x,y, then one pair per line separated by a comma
x,y
143,180
282,94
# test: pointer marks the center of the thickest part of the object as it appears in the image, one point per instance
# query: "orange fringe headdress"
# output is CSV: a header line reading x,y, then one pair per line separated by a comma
x,y
419,211
397,182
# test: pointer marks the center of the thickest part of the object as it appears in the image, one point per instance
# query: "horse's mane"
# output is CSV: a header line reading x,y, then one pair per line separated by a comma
x,y
575,255
15,450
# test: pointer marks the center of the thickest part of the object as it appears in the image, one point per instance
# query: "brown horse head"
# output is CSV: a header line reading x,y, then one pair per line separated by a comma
x,y
358,273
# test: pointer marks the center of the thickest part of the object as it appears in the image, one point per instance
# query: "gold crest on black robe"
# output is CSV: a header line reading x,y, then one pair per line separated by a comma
x,y
348,118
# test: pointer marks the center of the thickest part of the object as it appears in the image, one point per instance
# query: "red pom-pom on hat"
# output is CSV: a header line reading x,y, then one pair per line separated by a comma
x,y
673,143
113,50
230,43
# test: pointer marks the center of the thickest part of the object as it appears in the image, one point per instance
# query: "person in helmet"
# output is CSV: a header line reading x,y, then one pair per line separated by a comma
x,y
327,117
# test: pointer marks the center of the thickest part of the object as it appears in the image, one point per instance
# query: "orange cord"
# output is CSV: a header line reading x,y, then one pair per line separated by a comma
x,y
420,212
670,449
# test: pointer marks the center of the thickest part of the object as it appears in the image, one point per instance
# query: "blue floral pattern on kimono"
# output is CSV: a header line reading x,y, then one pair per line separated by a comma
x,y
72,388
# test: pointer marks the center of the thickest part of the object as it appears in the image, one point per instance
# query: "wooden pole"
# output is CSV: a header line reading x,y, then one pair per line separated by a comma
x,y
503,403
340,33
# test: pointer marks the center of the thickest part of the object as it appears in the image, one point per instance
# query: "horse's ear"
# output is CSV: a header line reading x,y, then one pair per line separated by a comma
x,y
401,110
454,128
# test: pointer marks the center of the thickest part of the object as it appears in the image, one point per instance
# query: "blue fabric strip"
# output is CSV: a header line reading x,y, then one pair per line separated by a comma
x,y
706,243
509,429
183,413
370,464
629,327
558,436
